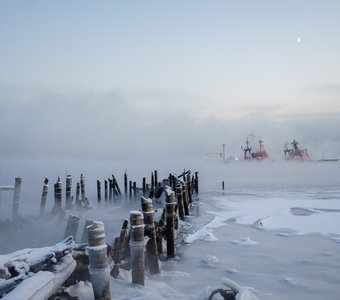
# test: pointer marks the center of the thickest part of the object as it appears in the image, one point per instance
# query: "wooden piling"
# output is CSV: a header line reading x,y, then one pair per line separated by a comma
x,y
189,189
105,190
137,247
16,198
110,189
68,192
185,199
134,188
125,183
156,178
170,222
44,197
82,187
116,186
78,195
122,242
150,231
99,194
57,196
152,181
180,204
144,185
130,188
99,267
223,185
196,183
72,227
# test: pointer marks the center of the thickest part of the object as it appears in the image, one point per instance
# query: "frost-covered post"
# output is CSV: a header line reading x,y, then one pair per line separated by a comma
x,y
99,194
180,201
137,247
223,185
150,231
99,266
44,196
68,192
72,226
170,222
16,198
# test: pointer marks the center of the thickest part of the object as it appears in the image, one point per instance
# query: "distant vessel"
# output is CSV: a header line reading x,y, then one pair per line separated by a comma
x,y
259,154
295,153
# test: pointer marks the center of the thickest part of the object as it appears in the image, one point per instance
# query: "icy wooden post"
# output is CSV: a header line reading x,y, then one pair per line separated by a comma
x,y
72,227
44,196
68,192
105,190
16,198
99,194
125,183
223,185
196,182
170,222
185,199
150,231
137,247
122,242
84,237
99,267
180,201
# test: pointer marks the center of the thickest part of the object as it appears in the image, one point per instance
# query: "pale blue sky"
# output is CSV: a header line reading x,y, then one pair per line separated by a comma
x,y
216,61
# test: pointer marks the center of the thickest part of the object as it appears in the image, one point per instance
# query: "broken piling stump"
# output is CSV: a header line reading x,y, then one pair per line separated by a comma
x,y
170,222
44,197
150,231
137,247
99,267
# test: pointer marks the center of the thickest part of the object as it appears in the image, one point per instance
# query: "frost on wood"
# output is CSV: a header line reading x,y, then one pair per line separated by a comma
x,y
36,273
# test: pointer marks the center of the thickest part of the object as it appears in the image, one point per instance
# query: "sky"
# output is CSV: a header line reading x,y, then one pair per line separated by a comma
x,y
122,79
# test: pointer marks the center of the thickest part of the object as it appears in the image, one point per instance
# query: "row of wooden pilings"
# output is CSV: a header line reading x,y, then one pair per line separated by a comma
x,y
140,245
111,190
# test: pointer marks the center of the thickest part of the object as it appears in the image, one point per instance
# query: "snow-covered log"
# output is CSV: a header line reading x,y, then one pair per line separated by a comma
x,y
37,271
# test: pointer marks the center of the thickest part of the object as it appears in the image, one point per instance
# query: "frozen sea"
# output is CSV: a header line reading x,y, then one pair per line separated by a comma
x,y
275,228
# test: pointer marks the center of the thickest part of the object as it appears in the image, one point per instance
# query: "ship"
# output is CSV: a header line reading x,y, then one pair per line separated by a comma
x,y
259,154
295,153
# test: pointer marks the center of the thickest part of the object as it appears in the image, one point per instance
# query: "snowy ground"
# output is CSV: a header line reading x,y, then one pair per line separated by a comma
x,y
275,228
